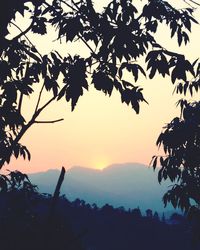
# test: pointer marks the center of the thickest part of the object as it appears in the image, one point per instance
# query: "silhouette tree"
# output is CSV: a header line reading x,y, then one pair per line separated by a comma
x,y
136,213
118,40
180,141
149,213
163,218
177,218
27,218
156,216
181,163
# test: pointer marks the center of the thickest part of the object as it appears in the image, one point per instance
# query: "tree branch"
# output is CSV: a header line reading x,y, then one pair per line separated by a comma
x,y
20,102
79,36
75,4
23,33
68,5
83,40
21,94
54,121
188,4
39,98
43,107
25,37
32,121
194,2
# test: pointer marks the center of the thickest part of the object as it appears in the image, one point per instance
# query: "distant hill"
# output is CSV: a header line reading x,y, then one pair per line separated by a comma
x,y
129,185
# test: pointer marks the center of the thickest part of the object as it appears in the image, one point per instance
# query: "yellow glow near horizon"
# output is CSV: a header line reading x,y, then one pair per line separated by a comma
x,y
100,163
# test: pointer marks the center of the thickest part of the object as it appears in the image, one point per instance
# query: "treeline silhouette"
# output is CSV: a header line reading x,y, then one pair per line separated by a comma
x,y
27,222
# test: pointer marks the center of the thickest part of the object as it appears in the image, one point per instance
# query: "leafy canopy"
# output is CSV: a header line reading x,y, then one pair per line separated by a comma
x,y
117,38
180,143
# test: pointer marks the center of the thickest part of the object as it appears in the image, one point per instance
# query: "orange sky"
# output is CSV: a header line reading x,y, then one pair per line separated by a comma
x,y
101,130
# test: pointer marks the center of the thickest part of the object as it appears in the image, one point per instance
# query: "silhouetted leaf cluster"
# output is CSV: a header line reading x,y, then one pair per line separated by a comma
x,y
180,141
192,86
16,180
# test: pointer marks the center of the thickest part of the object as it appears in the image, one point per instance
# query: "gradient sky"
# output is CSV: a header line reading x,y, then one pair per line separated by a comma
x,y
101,130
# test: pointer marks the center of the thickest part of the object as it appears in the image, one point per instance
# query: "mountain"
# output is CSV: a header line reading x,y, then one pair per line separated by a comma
x,y
129,185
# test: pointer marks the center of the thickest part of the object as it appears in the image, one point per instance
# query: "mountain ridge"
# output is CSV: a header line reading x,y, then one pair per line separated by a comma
x,y
129,185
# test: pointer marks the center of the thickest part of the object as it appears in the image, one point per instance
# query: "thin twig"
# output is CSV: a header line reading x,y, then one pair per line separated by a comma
x,y
39,98
20,102
189,4
23,33
25,37
54,121
32,121
79,36
68,5
194,2
21,94
43,107
75,4
83,40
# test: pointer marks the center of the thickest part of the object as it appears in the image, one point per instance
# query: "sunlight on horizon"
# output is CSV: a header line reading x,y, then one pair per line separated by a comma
x,y
101,164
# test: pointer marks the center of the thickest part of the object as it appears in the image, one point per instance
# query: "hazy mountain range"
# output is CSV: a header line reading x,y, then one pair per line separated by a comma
x,y
129,185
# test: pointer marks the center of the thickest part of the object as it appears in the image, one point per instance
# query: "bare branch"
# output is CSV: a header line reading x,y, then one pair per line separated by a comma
x,y
83,40
70,6
21,94
43,107
75,4
20,102
32,121
23,33
188,4
194,2
25,36
54,121
39,98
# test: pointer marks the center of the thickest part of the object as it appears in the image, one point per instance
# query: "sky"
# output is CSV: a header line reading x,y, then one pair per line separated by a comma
x,y
101,131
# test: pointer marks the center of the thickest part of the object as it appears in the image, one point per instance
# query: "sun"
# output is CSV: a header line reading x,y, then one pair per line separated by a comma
x,y
100,163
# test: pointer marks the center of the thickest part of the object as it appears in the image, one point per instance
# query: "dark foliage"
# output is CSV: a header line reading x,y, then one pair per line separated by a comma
x,y
180,142
181,164
25,223
117,39
26,219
